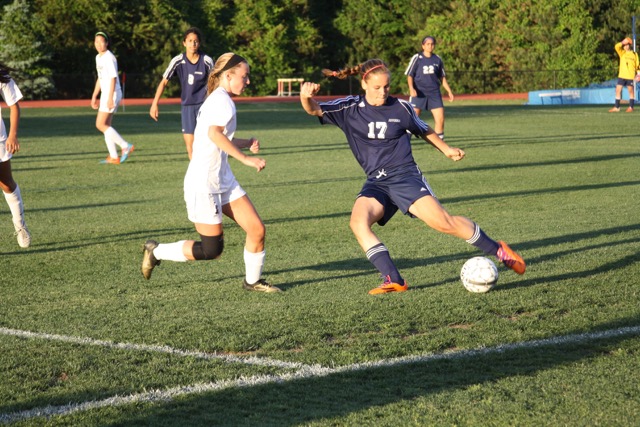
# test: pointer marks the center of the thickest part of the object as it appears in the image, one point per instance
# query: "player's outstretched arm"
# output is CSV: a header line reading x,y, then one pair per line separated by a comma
x,y
454,154
307,91
217,136
252,144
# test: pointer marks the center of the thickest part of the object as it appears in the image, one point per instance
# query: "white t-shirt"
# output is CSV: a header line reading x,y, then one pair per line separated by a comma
x,y
107,67
11,94
209,170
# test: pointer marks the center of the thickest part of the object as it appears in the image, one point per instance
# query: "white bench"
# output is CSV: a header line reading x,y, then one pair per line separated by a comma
x,y
287,80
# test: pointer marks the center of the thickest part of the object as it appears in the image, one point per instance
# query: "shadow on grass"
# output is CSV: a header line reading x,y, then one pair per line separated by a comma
x,y
85,242
322,396
497,141
338,395
355,267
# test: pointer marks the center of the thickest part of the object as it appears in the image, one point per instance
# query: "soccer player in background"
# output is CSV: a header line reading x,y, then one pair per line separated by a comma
x,y
108,87
9,145
192,69
211,189
378,128
425,73
628,66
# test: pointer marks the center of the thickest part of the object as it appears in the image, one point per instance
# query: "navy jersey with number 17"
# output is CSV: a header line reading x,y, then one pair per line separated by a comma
x,y
379,136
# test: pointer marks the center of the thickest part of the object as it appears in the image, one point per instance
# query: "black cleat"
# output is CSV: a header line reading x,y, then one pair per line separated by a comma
x,y
260,286
148,260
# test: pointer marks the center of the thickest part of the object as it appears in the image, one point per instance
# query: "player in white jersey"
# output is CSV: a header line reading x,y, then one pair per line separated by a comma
x,y
211,189
108,87
378,128
9,145
192,69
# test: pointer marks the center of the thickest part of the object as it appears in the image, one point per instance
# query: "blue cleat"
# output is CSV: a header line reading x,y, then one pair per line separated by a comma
x,y
126,152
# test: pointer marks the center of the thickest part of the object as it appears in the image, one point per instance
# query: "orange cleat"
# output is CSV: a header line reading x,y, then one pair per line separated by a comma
x,y
111,161
510,258
388,286
614,110
629,110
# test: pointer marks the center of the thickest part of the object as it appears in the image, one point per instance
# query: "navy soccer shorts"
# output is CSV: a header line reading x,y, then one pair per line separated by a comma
x,y
189,115
397,192
625,82
429,102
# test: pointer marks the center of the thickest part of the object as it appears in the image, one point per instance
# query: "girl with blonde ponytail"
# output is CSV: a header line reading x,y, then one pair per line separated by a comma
x,y
211,189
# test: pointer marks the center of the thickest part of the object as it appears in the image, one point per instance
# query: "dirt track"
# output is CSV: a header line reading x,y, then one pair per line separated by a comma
x,y
174,101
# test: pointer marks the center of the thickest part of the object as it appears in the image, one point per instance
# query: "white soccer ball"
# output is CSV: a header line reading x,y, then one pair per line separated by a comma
x,y
479,274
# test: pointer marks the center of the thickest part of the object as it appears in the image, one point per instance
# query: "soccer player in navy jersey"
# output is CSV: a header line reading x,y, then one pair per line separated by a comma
x,y
192,69
378,128
425,73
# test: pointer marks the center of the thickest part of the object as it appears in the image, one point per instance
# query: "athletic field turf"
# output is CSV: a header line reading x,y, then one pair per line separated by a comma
x,y
85,340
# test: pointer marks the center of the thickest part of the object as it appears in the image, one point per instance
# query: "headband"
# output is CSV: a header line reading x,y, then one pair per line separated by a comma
x,y
100,33
429,37
370,70
232,62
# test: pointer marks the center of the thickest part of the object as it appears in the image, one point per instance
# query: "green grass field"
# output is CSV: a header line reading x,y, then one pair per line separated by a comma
x,y
85,340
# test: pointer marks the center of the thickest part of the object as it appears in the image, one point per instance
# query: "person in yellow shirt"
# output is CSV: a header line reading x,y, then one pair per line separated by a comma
x,y
629,64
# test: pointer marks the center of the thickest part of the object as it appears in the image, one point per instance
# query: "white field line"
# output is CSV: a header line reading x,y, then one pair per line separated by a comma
x,y
252,360
304,372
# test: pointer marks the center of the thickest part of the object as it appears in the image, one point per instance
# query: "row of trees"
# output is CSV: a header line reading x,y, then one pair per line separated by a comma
x,y
487,45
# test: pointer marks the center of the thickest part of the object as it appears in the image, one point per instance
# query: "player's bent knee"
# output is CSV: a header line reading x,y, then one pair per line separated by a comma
x,y
210,247
446,227
358,226
257,234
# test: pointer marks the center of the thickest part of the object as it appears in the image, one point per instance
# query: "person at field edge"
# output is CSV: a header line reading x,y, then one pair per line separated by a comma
x,y
629,65
425,73
378,128
211,189
192,69
9,145
108,87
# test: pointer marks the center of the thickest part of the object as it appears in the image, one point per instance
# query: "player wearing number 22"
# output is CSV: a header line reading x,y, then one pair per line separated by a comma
x,y
425,73
378,128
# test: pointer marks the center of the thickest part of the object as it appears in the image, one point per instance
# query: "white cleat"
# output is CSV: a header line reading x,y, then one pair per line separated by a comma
x,y
24,237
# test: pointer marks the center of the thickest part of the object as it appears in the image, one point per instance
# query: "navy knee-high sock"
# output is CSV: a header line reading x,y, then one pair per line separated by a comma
x,y
483,242
380,258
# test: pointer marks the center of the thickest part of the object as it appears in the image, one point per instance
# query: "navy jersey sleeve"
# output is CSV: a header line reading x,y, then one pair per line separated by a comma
x,y
173,66
209,63
414,124
334,112
411,68
440,68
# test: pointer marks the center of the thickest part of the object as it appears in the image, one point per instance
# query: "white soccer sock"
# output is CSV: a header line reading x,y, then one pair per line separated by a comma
x,y
111,146
114,136
170,251
14,200
253,263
